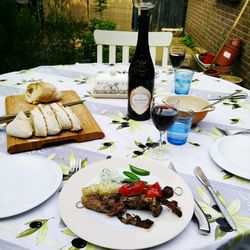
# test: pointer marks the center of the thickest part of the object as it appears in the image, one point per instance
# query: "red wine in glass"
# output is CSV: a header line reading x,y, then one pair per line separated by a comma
x,y
163,116
177,55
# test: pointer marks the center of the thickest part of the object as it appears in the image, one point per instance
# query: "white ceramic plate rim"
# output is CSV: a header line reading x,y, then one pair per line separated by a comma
x,y
40,193
95,227
223,162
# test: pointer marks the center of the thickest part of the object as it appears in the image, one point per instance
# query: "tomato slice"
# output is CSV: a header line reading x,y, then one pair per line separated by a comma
x,y
132,188
153,191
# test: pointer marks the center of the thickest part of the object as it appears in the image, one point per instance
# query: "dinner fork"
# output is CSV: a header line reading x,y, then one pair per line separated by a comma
x,y
75,165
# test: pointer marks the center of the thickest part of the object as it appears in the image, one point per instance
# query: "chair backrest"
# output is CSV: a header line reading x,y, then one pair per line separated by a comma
x,y
127,39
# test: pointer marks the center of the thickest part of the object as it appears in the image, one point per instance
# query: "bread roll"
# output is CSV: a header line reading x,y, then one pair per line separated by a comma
x,y
42,92
52,125
61,116
20,127
76,123
38,122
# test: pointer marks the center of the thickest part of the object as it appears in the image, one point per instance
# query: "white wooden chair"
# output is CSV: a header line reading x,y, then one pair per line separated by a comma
x,y
127,39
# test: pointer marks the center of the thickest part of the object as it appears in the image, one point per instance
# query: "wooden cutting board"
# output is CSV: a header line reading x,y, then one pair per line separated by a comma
x,y
90,131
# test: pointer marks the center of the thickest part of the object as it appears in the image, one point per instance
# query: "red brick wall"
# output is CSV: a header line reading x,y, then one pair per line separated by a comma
x,y
208,22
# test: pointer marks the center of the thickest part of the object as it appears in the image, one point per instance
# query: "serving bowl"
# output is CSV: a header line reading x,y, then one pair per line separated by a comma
x,y
194,103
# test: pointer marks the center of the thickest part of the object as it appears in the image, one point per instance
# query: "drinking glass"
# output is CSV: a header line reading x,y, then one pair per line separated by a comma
x,y
144,4
177,56
163,115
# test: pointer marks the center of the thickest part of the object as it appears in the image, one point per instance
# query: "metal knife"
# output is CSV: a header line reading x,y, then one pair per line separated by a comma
x,y
199,216
9,118
203,179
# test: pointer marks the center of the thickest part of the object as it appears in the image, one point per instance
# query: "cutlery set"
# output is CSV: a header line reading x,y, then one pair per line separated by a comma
x,y
199,215
205,182
222,99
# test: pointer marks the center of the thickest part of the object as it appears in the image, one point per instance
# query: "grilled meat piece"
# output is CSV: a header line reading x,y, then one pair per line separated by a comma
x,y
108,204
136,221
142,202
173,205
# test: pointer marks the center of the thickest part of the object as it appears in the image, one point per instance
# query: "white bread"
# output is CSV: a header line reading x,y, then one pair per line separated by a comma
x,y
20,127
52,125
42,92
38,122
61,116
76,123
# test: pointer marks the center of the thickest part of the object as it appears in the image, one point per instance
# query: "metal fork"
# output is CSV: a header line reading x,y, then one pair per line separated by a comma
x,y
75,166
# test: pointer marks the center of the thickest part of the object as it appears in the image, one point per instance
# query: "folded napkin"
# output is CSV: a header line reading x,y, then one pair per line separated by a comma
x,y
111,83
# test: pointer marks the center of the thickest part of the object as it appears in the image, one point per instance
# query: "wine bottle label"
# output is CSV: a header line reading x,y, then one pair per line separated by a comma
x,y
140,100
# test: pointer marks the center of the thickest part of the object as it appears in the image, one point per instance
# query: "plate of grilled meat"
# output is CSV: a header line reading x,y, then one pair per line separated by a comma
x,y
126,204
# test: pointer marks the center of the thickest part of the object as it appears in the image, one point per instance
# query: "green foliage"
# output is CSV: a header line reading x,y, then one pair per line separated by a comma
x,y
60,35
101,25
188,41
61,39
100,6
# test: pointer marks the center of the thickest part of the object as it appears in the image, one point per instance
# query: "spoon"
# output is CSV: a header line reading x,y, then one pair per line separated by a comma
x,y
239,96
222,99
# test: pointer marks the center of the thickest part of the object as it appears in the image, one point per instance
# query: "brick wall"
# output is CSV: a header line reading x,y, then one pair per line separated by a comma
x,y
209,21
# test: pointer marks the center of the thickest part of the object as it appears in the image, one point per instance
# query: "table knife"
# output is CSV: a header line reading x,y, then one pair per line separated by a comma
x,y
203,179
9,118
199,215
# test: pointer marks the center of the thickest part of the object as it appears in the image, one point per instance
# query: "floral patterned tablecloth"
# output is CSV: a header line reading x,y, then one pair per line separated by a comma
x,y
42,227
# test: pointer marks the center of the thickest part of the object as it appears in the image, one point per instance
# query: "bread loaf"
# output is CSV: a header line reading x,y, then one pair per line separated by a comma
x,y
52,125
42,92
20,127
38,122
61,116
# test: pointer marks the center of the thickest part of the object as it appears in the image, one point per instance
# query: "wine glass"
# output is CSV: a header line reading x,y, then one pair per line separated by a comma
x,y
177,56
163,115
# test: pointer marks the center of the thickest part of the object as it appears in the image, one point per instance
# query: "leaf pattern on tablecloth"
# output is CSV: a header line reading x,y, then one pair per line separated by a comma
x,y
143,148
234,120
76,243
228,176
214,215
123,121
237,103
194,144
107,145
40,226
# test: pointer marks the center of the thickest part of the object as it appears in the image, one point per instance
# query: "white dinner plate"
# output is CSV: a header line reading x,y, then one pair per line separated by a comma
x,y
232,154
25,182
109,232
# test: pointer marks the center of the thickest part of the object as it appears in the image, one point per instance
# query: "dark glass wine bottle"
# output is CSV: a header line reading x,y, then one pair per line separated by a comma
x,y
141,74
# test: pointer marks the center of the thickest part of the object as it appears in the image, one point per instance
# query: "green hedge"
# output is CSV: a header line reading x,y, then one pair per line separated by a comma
x,y
25,42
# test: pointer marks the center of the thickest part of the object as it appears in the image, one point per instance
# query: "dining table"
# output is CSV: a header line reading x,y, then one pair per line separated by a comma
x,y
41,227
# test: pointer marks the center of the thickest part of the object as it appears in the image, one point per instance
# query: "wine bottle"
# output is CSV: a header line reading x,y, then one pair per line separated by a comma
x,y
141,74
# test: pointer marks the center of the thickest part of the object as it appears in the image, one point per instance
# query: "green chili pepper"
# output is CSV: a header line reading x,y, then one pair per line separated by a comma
x,y
139,171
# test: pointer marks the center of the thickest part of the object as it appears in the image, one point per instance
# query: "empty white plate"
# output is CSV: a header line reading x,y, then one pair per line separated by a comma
x,y
232,153
25,182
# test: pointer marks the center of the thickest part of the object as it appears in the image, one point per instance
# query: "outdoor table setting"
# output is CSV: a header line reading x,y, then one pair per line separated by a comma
x,y
50,215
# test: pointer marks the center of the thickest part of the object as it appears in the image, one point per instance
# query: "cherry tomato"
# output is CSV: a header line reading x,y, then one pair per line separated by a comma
x,y
132,188
153,191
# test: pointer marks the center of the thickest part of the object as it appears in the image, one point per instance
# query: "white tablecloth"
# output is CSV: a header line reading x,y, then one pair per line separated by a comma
x,y
231,116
